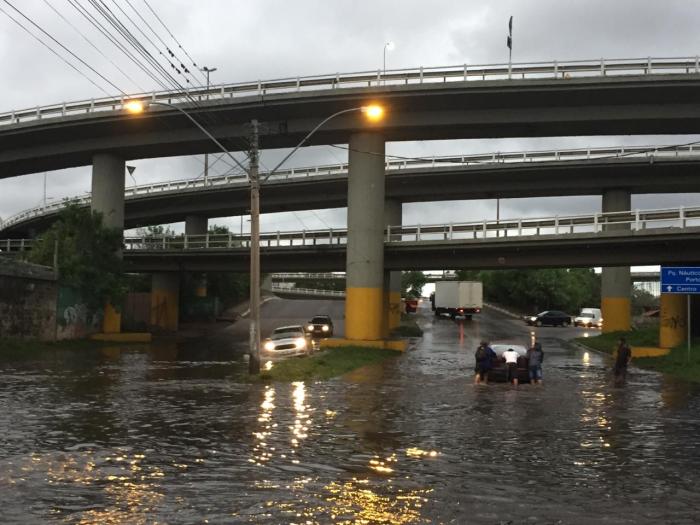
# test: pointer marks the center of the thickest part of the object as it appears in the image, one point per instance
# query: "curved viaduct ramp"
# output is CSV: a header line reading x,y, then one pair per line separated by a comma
x,y
619,97
505,175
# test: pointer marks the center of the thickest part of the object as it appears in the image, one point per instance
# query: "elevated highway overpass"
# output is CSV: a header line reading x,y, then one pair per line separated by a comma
x,y
597,97
590,171
600,97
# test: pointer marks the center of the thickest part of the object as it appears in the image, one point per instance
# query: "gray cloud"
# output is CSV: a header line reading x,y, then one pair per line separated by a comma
x,y
276,38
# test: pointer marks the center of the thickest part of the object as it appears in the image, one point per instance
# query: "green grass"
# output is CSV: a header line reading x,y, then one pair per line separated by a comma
x,y
675,363
648,336
329,363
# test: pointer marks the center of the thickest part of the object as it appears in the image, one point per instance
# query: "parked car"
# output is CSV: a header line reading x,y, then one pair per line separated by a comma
x,y
589,317
286,341
549,317
320,326
498,371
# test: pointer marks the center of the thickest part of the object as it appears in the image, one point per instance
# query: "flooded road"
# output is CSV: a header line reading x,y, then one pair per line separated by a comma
x,y
172,435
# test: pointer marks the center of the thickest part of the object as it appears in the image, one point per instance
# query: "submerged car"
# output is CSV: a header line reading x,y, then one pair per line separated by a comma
x,y
498,371
320,326
549,317
286,341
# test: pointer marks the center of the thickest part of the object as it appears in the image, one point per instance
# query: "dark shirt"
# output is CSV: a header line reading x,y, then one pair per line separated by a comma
x,y
535,356
624,353
487,361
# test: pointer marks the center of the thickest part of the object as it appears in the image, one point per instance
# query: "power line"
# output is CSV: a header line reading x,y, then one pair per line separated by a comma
x,y
54,52
64,47
92,44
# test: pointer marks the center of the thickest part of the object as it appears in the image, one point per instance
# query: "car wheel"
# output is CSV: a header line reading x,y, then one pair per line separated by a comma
x,y
538,323
565,324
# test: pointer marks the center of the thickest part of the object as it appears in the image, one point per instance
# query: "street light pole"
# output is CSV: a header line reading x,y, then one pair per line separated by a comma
x,y
207,70
254,330
390,46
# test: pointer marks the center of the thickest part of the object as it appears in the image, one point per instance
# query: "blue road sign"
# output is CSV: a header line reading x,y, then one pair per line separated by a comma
x,y
680,279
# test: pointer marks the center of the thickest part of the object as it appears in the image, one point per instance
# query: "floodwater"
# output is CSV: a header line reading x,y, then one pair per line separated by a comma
x,y
171,434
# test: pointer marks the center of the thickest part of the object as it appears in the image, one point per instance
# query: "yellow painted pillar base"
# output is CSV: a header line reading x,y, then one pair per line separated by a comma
x,y
164,309
392,311
364,314
673,327
111,321
616,314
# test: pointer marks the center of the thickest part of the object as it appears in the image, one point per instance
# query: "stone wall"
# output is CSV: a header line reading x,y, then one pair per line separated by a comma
x,y
28,294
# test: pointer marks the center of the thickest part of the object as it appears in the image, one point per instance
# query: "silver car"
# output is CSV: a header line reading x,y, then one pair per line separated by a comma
x,y
286,341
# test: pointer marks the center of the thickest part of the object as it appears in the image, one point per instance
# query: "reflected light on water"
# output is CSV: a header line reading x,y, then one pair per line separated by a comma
x,y
418,453
261,451
301,421
268,365
365,504
586,359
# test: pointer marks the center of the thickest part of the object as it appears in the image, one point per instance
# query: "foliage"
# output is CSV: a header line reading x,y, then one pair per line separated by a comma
x,y
329,363
643,301
87,255
542,289
412,284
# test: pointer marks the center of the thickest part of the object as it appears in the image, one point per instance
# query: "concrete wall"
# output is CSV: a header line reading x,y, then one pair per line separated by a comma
x,y
27,301
74,319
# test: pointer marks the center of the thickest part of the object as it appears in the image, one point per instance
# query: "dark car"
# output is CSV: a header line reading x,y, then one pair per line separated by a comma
x,y
549,317
497,374
320,326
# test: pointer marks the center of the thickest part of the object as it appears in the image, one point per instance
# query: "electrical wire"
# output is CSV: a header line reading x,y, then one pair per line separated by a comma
x,y
64,47
129,78
63,59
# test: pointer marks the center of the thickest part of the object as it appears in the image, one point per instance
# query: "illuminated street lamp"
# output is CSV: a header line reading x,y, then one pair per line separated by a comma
x,y
373,113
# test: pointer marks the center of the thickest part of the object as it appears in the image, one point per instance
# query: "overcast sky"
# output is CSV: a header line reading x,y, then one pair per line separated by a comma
x,y
250,40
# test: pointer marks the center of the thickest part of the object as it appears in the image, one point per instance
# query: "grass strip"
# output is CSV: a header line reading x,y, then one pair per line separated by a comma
x,y
407,328
675,364
324,365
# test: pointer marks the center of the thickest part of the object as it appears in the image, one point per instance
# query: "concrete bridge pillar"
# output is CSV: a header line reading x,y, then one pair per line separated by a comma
x,y
108,199
392,280
616,283
198,225
673,318
364,301
165,301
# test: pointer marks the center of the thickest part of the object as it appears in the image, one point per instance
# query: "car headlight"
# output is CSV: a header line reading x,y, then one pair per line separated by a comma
x,y
269,345
310,328
300,343
533,318
325,328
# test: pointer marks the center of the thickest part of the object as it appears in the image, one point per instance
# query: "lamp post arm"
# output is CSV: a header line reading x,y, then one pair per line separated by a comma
x,y
303,141
203,130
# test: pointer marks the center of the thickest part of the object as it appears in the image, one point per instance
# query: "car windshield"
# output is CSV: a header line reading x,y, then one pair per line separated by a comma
x,y
320,320
586,314
543,313
284,333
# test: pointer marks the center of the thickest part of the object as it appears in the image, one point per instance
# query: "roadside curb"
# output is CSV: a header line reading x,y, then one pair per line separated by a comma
x,y
270,298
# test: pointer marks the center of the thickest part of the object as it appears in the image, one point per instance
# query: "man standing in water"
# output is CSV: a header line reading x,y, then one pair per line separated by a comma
x,y
624,356
511,357
535,357
484,358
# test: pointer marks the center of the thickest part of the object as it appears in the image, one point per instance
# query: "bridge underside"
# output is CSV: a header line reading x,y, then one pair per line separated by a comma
x,y
573,250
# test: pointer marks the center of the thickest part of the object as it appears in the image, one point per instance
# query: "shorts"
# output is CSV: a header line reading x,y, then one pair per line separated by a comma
x,y
511,371
535,372
482,371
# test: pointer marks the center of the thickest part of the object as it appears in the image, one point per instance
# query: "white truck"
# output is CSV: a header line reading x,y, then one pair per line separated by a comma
x,y
458,298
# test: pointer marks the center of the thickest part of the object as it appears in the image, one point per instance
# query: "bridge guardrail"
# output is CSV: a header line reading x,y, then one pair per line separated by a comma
x,y
625,221
307,291
574,154
372,78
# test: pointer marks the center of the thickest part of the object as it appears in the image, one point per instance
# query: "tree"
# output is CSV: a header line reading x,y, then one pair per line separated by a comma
x,y
412,284
87,254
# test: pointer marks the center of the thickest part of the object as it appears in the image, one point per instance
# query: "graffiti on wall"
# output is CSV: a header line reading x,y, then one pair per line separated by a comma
x,y
74,318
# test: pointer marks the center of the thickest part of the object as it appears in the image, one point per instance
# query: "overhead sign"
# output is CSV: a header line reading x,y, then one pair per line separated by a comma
x,y
680,279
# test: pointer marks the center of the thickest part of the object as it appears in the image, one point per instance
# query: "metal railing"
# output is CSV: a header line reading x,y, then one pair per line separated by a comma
x,y
227,181
372,78
322,276
307,291
622,223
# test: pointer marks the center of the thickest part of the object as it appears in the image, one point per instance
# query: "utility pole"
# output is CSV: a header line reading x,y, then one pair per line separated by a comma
x,y
207,70
254,362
